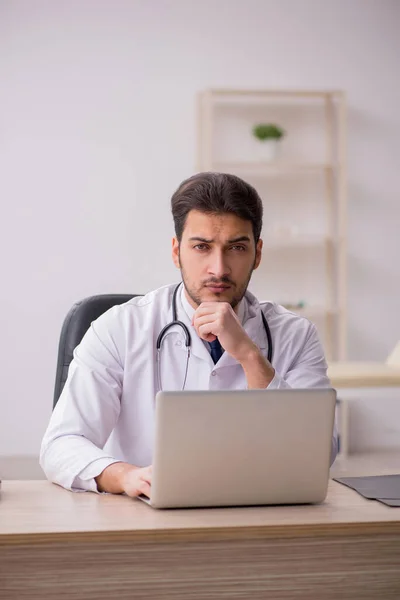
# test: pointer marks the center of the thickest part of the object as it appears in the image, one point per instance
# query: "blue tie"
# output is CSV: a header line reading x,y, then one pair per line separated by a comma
x,y
216,350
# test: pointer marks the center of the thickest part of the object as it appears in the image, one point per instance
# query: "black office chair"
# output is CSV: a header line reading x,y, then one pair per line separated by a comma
x,y
75,325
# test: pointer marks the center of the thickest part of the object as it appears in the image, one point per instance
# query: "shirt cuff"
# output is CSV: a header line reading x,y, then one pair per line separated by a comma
x,y
278,383
85,480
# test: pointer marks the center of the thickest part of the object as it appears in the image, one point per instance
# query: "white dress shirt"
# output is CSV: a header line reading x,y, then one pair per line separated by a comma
x,y
105,413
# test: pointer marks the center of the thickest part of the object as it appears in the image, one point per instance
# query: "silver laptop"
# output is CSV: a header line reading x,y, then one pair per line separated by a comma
x,y
241,448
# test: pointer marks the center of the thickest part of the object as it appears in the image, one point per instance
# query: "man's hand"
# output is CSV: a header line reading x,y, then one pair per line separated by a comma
x,y
122,477
218,320
137,481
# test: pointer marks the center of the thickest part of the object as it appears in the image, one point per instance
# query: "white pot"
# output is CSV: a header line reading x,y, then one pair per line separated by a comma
x,y
266,151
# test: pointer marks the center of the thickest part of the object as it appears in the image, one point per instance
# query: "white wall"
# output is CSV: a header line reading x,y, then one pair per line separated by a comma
x,y
97,127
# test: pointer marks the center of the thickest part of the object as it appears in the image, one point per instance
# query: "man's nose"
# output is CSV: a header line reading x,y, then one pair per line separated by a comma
x,y
218,265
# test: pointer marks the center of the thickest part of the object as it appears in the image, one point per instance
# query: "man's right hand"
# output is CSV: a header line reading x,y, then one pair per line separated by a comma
x,y
137,481
122,477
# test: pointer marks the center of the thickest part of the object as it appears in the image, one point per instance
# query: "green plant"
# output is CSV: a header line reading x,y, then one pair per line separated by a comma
x,y
268,131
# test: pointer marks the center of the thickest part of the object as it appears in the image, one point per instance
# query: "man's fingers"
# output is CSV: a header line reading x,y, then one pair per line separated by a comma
x,y
212,307
207,307
209,303
144,488
209,338
206,330
146,477
146,474
198,321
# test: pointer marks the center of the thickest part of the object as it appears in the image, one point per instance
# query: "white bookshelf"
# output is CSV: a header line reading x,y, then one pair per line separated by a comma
x,y
303,191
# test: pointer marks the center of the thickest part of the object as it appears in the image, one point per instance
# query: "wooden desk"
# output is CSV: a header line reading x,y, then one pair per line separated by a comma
x,y
56,544
363,374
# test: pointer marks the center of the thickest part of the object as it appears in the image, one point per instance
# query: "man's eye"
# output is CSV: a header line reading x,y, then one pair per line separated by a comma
x,y
201,247
238,248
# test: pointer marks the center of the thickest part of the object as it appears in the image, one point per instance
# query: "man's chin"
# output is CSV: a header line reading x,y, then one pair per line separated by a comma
x,y
210,295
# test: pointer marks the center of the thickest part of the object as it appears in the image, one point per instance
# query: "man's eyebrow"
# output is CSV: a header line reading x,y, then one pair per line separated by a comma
x,y
200,239
242,238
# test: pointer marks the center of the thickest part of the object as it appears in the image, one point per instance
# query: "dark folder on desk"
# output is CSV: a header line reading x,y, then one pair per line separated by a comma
x,y
384,488
389,501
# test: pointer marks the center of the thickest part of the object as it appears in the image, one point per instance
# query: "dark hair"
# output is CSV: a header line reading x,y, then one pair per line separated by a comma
x,y
216,193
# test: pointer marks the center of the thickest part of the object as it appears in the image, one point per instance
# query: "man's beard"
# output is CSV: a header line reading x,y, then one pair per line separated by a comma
x,y
195,294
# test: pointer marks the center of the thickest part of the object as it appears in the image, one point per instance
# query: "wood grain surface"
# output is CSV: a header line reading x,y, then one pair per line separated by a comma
x,y
57,544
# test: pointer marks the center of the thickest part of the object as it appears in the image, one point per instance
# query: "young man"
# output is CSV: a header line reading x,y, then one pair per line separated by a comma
x,y
100,436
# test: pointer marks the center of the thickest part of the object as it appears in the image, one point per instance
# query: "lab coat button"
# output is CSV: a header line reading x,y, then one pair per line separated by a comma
x,y
213,373
179,343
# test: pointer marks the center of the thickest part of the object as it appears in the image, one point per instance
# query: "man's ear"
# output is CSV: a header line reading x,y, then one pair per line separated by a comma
x,y
175,252
258,253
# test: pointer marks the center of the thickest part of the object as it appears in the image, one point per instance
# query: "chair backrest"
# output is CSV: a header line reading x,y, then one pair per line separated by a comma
x,y
75,325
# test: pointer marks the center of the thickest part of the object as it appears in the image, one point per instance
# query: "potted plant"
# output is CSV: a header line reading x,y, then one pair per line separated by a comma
x,y
268,136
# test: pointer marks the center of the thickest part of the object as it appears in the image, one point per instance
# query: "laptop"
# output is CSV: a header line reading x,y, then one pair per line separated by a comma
x,y
241,448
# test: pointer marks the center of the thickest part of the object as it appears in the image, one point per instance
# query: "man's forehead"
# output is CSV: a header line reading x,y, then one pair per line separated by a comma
x,y
223,224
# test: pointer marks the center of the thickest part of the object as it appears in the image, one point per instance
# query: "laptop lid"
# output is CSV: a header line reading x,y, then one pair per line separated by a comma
x,y
236,448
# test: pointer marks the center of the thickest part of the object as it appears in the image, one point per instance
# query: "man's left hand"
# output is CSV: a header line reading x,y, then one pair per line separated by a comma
x,y
218,320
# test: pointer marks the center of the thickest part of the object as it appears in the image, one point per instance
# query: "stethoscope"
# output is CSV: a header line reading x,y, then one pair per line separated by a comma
x,y
188,340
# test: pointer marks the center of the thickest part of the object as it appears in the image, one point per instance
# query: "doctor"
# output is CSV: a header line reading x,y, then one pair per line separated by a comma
x,y
100,435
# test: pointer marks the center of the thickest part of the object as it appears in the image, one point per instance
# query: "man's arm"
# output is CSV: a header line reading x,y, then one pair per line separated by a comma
x,y
257,369
72,448
217,319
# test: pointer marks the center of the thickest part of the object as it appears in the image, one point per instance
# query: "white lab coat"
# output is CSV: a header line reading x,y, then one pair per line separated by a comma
x,y
105,413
